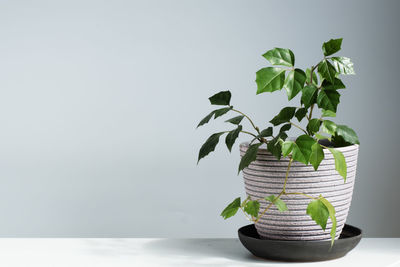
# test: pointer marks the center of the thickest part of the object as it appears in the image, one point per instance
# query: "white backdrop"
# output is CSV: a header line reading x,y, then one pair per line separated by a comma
x,y
100,99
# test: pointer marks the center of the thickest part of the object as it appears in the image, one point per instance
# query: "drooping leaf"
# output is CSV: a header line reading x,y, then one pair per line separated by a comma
x,y
279,203
222,98
332,46
232,136
318,212
235,120
285,127
274,146
309,95
282,136
287,147
206,119
280,56
340,162
343,65
266,132
231,209
217,113
285,115
249,156
348,134
337,84
294,82
220,112
270,79
328,99
317,155
313,126
326,70
332,215
328,113
209,145
252,207
302,148
314,77
328,127
300,114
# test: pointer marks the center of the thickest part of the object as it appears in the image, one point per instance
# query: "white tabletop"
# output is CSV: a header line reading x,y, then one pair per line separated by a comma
x,y
138,252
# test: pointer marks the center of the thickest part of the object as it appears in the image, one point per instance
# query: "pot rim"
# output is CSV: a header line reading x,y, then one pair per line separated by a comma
x,y
263,147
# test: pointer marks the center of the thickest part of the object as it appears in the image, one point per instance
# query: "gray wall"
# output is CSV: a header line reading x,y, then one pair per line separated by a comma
x,y
100,99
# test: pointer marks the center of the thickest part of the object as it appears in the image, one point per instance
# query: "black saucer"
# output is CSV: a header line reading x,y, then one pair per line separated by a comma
x,y
299,250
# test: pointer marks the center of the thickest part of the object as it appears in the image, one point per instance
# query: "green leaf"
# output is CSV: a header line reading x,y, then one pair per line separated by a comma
x,y
280,56
220,112
332,46
337,84
328,100
332,215
209,145
274,146
326,70
348,134
235,120
321,137
270,79
314,77
343,65
317,155
249,156
294,82
232,136
206,119
329,127
252,207
222,98
313,126
309,95
277,202
217,113
287,147
231,209
328,113
340,162
266,132
318,212
285,127
300,113
285,115
302,148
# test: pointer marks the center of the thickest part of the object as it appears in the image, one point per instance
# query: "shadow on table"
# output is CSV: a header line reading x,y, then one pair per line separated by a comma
x,y
221,248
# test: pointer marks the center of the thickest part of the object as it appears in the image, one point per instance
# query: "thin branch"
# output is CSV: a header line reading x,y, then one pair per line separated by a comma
x,y
297,126
247,117
287,175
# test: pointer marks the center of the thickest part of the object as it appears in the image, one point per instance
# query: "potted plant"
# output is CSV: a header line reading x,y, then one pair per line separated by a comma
x,y
297,188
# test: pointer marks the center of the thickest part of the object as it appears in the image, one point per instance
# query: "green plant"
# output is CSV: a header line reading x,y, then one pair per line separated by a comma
x,y
321,92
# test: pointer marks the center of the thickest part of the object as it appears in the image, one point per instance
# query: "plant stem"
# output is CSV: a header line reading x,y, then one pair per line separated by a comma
x,y
299,193
270,204
297,126
280,194
287,175
255,136
247,117
246,214
311,77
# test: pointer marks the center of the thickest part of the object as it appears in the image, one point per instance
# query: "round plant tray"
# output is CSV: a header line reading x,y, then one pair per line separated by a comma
x,y
283,250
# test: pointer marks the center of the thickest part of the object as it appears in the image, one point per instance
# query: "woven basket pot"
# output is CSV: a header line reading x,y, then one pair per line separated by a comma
x,y
266,175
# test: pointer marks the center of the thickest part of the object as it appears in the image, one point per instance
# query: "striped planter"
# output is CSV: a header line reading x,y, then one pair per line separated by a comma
x,y
266,176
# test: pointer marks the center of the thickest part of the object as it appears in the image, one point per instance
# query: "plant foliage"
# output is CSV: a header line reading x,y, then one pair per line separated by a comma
x,y
315,93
